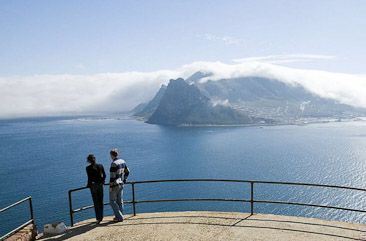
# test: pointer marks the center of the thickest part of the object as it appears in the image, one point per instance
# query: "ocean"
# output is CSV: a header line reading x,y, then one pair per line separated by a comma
x,y
45,157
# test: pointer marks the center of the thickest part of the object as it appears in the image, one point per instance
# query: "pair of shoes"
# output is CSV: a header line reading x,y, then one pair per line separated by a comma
x,y
116,220
99,221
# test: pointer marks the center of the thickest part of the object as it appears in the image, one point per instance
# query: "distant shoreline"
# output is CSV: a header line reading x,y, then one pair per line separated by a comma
x,y
300,123
125,116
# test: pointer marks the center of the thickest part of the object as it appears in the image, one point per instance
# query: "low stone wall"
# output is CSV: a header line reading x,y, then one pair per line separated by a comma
x,y
28,233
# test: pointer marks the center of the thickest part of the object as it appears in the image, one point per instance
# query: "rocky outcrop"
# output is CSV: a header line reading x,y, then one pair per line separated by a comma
x,y
28,233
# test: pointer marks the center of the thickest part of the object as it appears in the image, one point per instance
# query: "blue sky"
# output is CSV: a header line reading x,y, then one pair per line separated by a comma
x,y
88,37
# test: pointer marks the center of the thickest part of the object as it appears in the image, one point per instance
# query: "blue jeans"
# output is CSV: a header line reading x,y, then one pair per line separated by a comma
x,y
116,201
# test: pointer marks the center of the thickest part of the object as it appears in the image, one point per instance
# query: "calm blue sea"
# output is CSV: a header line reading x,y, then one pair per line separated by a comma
x,y
45,158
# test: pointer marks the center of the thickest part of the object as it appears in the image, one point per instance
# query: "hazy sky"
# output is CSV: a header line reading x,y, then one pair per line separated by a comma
x,y
88,37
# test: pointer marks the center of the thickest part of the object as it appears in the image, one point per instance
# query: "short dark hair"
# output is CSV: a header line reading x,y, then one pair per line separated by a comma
x,y
91,158
114,152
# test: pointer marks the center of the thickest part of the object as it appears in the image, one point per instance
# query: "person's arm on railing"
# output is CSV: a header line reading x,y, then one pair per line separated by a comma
x,y
103,174
113,174
127,172
89,180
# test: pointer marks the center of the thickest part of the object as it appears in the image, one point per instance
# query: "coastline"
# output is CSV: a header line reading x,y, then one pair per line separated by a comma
x,y
300,122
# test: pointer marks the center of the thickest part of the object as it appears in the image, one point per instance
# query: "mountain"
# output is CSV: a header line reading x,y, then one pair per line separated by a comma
x,y
145,110
270,98
184,104
196,77
237,101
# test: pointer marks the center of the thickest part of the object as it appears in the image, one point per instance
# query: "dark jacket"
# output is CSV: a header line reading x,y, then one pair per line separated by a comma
x,y
96,174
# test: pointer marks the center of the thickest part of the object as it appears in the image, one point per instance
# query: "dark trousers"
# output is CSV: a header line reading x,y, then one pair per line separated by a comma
x,y
97,195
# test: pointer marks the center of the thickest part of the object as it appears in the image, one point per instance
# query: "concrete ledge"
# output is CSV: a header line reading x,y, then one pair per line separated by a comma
x,y
214,226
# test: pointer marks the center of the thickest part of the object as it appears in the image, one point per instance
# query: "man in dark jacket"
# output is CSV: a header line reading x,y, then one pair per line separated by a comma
x,y
96,179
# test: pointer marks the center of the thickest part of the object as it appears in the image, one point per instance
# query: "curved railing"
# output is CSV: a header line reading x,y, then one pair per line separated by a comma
x,y
252,200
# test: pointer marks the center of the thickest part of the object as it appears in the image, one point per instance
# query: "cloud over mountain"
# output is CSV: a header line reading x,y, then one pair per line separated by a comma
x,y
61,94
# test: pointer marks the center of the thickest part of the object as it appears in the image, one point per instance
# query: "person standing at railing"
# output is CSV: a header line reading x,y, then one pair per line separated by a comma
x,y
96,179
119,173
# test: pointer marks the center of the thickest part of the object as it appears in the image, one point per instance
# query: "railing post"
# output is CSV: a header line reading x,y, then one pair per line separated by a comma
x,y
251,197
31,209
71,210
133,199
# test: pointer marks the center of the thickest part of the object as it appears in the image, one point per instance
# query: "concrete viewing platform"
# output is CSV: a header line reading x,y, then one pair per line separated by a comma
x,y
213,226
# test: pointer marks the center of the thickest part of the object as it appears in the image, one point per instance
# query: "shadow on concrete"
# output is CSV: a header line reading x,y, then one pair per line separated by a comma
x,y
75,231
308,223
246,219
250,218
183,216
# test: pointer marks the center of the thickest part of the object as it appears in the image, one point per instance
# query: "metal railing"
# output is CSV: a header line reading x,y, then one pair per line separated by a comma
x,y
252,200
30,221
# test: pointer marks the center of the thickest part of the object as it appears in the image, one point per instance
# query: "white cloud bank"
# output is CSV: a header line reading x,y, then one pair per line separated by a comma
x,y
73,94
